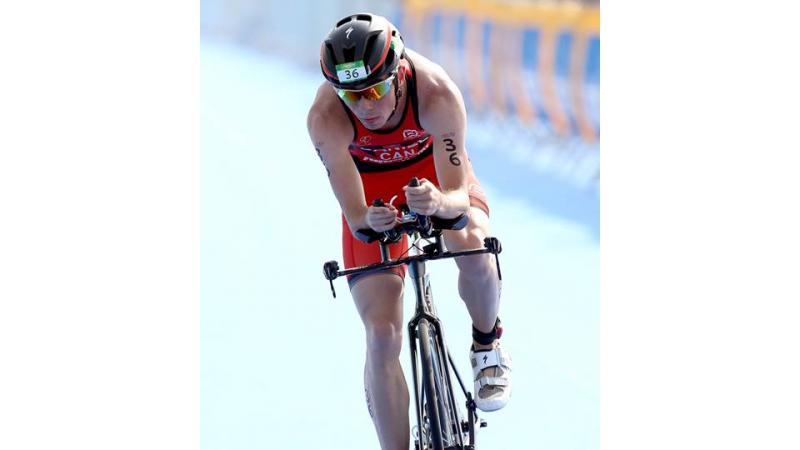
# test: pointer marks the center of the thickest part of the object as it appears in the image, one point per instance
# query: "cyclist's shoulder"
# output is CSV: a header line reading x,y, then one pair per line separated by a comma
x,y
437,93
431,78
326,117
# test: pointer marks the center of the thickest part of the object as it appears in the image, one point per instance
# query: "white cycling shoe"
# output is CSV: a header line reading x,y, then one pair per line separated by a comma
x,y
493,386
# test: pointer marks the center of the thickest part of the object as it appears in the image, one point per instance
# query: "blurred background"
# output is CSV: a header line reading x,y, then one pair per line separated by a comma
x,y
281,361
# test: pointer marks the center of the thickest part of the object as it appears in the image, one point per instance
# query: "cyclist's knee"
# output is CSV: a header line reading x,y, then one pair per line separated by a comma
x,y
384,340
378,298
475,265
472,235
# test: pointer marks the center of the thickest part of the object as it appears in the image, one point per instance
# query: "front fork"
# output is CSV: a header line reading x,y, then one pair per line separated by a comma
x,y
420,280
424,311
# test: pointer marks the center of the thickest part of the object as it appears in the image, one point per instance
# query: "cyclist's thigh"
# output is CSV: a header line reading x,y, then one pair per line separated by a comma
x,y
377,294
356,253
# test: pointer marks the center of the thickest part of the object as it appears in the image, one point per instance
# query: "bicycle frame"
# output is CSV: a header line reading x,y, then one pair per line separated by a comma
x,y
425,311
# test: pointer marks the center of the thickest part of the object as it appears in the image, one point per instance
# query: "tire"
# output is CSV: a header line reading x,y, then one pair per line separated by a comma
x,y
429,374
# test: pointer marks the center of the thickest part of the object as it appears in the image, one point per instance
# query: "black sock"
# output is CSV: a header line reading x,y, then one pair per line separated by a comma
x,y
487,338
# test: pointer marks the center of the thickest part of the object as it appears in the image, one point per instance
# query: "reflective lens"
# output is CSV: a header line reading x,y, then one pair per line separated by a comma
x,y
375,92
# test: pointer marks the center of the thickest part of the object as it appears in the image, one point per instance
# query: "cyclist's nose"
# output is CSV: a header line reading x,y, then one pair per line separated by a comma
x,y
365,104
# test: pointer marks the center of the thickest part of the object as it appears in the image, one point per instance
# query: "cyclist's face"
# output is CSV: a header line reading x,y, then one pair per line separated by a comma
x,y
373,113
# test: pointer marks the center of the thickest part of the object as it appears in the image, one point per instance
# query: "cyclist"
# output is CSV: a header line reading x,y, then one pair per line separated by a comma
x,y
383,115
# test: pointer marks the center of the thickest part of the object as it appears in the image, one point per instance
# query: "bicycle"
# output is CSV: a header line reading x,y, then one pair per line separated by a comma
x,y
440,424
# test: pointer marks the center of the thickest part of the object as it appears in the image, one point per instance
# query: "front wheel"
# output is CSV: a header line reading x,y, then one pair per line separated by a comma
x,y
430,373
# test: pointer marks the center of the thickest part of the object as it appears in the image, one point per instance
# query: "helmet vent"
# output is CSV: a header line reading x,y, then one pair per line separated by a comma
x,y
370,45
366,17
343,21
329,50
349,54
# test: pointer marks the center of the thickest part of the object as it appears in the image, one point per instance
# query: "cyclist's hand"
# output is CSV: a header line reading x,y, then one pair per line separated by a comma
x,y
424,199
381,218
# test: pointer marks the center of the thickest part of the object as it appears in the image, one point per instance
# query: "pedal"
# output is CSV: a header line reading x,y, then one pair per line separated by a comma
x,y
483,424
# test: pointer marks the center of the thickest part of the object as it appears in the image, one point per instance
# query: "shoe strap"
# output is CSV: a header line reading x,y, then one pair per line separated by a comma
x,y
481,359
492,381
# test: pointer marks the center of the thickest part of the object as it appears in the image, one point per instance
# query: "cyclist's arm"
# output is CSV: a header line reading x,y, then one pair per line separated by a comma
x,y
444,116
331,135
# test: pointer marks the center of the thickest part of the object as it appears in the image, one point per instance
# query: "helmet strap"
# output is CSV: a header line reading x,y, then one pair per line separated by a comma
x,y
397,95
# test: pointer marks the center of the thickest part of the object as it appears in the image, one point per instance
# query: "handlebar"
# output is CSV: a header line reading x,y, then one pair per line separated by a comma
x,y
410,223
430,252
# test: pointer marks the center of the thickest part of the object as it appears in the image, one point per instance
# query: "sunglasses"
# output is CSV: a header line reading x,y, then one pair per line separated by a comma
x,y
375,92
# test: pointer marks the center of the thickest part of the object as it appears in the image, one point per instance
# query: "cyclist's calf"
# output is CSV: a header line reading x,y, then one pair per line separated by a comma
x,y
478,285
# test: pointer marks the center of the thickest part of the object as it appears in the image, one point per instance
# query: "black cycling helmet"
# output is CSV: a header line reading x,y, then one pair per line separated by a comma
x,y
361,50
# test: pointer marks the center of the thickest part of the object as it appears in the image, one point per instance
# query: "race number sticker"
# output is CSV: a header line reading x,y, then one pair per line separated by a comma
x,y
351,72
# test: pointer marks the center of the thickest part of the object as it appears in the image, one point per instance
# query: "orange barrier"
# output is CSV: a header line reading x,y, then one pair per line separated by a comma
x,y
532,61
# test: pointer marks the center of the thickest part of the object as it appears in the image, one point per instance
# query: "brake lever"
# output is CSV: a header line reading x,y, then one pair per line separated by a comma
x,y
493,245
331,270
